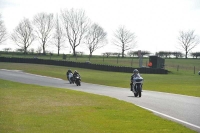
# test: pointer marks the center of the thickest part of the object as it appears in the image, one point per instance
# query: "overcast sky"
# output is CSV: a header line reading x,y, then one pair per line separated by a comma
x,y
156,23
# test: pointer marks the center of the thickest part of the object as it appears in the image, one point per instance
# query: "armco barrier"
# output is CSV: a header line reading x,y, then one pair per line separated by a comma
x,y
83,65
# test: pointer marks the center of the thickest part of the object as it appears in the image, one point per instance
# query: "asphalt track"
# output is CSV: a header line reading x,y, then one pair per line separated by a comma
x,y
179,108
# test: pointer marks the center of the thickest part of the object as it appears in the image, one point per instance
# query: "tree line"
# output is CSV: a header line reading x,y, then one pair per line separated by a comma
x,y
76,28
163,54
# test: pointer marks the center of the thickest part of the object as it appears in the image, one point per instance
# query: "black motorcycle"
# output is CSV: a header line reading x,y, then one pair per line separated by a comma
x,y
77,80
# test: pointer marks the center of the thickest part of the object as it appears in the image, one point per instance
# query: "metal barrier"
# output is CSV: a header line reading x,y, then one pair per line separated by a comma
x,y
83,65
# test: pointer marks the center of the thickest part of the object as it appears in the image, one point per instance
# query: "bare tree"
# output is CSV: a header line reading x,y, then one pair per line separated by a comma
x,y
2,31
23,35
177,54
95,38
116,54
44,24
188,40
7,49
124,39
76,26
165,54
107,54
135,53
58,37
195,54
132,53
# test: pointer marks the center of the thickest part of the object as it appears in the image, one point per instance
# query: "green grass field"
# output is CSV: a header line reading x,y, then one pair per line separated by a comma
x,y
35,109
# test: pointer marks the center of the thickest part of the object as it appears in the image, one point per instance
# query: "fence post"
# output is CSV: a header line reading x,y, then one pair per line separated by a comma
x,y
177,67
194,69
132,62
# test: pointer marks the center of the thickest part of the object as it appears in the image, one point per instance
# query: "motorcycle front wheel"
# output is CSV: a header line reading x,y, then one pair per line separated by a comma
x,y
78,83
139,90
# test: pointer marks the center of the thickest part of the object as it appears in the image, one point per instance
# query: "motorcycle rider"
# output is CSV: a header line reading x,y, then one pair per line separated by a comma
x,y
70,76
76,74
77,78
134,75
67,74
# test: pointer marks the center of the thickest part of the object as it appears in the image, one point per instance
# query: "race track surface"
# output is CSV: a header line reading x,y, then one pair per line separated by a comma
x,y
179,108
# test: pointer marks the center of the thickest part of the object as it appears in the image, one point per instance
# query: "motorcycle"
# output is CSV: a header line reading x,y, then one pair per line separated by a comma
x,y
77,80
136,86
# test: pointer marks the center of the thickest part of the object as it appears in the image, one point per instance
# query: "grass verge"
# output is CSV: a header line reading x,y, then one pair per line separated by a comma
x,y
30,108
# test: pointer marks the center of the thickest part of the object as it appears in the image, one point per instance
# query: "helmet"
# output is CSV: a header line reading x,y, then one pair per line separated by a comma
x,y
75,71
135,71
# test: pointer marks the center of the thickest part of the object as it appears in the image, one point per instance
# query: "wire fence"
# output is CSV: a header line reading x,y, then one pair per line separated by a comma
x,y
182,68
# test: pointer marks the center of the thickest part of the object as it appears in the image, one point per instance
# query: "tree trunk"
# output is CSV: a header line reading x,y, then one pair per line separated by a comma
x,y
90,53
44,50
186,53
122,53
25,50
58,52
74,51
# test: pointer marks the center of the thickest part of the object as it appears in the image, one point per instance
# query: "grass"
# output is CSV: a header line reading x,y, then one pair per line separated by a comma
x,y
181,83
29,108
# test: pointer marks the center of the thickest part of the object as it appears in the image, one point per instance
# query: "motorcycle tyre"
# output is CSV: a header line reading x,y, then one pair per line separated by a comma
x,y
78,83
139,90
135,94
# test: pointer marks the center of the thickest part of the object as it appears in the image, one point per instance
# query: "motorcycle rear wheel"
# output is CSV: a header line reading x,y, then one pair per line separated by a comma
x,y
135,94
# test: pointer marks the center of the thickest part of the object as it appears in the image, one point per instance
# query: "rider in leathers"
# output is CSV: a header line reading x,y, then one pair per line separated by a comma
x,y
76,74
67,73
134,75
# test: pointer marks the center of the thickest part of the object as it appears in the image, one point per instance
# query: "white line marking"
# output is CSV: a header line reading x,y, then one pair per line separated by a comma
x,y
170,117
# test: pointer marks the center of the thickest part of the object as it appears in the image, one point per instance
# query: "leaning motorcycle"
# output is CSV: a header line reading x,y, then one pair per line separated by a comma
x,y
136,86
78,80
